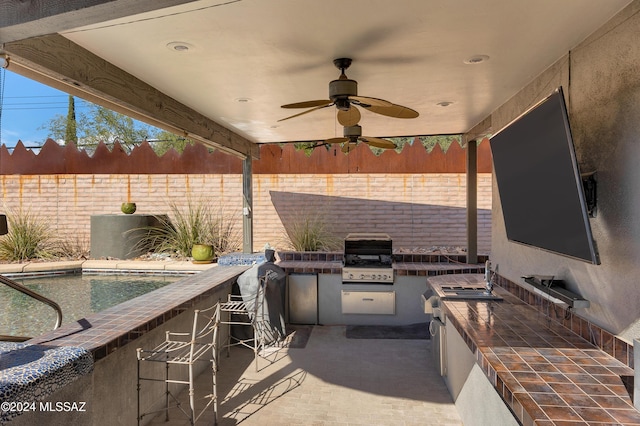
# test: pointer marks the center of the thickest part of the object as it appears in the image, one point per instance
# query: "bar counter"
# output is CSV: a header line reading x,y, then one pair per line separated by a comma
x,y
545,373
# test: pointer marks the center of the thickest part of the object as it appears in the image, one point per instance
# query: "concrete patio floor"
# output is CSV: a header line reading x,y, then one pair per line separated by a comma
x,y
332,381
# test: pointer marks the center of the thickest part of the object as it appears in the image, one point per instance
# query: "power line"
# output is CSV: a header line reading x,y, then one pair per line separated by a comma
x,y
64,107
35,103
35,96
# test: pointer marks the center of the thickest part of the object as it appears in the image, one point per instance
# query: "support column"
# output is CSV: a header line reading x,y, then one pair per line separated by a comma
x,y
247,205
472,201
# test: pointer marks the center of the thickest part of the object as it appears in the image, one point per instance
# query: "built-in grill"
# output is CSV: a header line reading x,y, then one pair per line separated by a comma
x,y
368,259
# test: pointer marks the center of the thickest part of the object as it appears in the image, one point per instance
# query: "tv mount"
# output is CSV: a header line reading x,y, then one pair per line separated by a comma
x,y
590,188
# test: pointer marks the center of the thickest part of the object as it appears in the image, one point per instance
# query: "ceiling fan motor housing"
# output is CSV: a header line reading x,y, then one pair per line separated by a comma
x,y
341,90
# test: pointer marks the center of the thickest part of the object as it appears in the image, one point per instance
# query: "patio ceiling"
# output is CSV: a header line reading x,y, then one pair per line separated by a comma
x,y
248,57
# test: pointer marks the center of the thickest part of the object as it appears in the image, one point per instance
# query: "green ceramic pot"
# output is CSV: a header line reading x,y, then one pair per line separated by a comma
x,y
202,253
128,208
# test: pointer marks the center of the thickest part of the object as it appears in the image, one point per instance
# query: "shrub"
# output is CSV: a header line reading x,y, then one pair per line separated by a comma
x,y
199,223
29,237
310,231
77,248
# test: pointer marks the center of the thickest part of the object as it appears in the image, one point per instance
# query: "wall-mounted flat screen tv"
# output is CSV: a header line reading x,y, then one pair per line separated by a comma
x,y
539,182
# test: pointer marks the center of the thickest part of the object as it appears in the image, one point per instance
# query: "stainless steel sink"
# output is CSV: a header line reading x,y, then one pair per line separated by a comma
x,y
467,292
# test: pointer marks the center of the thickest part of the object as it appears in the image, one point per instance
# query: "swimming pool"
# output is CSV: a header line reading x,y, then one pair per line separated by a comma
x,y
78,295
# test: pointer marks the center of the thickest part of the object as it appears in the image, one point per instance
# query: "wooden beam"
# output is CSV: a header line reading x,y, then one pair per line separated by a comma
x,y
478,132
247,206
470,140
60,63
472,202
20,20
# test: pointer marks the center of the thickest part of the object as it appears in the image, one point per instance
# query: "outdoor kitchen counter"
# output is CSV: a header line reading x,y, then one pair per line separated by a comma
x,y
542,370
400,268
417,264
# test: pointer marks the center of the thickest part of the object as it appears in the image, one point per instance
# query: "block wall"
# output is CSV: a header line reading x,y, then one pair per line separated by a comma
x,y
417,210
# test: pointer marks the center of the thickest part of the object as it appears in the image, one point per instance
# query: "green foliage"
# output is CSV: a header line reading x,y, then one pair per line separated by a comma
x,y
110,126
71,125
310,231
100,124
77,248
401,142
164,141
200,223
445,141
308,147
29,237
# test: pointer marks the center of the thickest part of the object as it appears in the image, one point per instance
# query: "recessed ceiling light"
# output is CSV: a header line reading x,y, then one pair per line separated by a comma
x,y
476,59
179,46
444,103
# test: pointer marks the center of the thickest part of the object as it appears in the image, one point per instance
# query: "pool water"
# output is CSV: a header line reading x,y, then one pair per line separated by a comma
x,y
78,296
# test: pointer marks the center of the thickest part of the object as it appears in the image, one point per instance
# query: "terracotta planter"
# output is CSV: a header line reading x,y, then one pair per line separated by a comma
x,y
202,253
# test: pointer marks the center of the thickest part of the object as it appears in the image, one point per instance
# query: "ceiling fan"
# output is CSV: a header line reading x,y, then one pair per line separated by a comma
x,y
343,93
353,135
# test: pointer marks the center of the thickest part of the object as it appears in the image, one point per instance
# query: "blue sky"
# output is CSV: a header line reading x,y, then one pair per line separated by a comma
x,y
27,106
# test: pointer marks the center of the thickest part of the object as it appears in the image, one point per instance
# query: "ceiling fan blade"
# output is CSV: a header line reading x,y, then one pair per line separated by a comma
x,y
308,104
378,142
336,140
304,112
351,117
394,111
365,100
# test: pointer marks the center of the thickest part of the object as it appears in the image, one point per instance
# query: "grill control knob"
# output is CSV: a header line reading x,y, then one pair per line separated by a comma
x,y
362,276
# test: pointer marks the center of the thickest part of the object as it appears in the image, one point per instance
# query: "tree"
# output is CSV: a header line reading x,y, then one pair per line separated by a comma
x,y
164,141
100,124
70,129
104,125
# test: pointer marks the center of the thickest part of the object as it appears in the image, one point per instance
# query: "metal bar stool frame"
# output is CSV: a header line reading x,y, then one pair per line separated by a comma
x,y
239,306
186,349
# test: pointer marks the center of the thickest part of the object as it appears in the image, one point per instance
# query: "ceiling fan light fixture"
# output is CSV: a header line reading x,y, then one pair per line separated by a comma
x,y
352,131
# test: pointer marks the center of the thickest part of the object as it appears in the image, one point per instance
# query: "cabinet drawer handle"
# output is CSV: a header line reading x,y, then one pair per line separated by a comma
x,y
367,299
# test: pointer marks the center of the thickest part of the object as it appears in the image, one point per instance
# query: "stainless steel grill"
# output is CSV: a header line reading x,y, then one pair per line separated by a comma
x,y
368,258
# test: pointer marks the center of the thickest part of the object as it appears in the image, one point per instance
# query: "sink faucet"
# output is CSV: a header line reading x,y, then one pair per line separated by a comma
x,y
488,278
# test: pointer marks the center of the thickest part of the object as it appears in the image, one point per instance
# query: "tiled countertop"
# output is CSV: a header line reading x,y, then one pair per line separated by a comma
x,y
105,331
418,264
544,372
400,268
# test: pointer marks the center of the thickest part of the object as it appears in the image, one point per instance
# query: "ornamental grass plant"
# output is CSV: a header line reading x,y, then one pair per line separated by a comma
x,y
30,237
200,222
310,231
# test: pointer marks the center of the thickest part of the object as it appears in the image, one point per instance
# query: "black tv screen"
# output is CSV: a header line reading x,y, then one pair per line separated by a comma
x,y
539,182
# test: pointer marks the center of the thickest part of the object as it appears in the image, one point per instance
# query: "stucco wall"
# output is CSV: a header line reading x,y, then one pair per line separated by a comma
x,y
417,210
602,89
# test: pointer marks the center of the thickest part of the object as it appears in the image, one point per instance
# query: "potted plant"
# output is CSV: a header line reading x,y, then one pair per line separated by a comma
x,y
202,253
